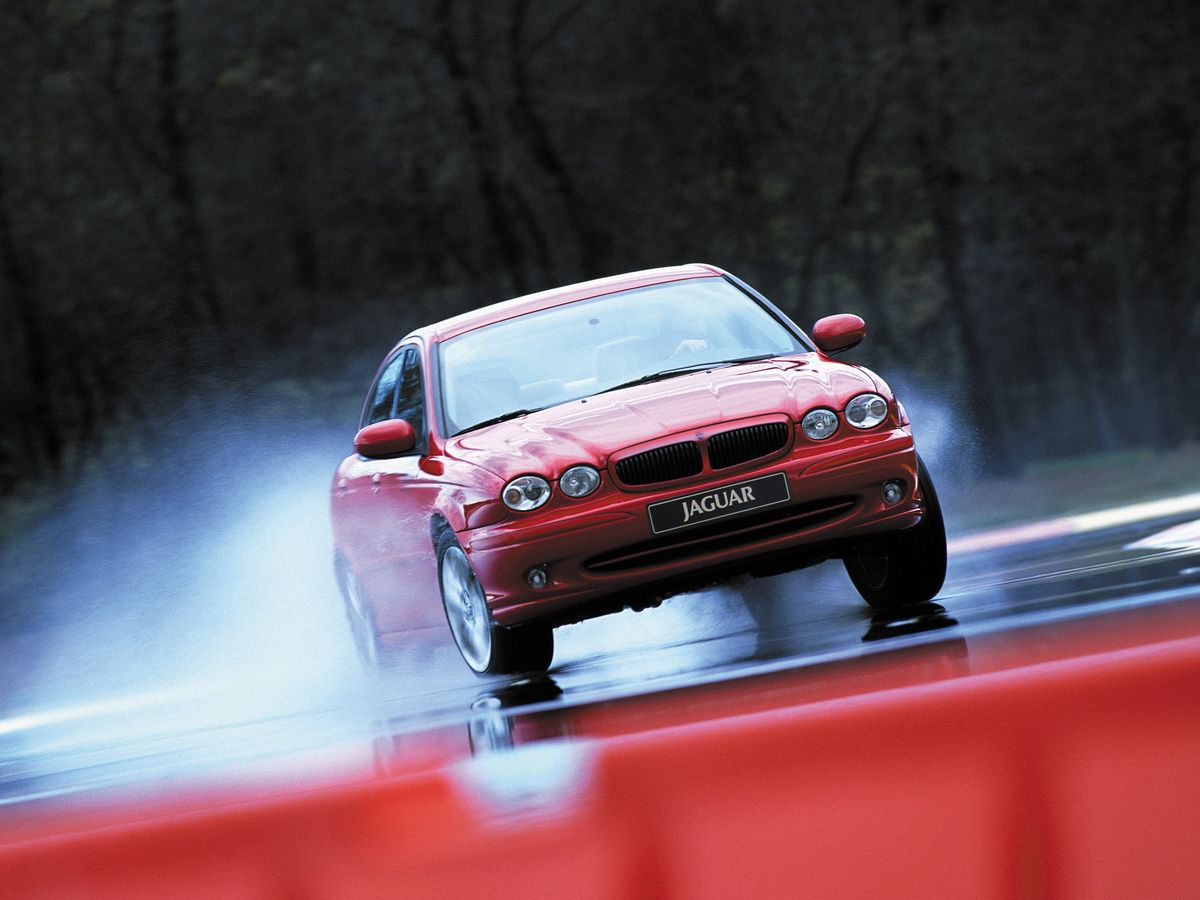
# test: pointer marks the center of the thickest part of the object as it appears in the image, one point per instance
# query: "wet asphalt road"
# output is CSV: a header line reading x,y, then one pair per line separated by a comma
x,y
301,707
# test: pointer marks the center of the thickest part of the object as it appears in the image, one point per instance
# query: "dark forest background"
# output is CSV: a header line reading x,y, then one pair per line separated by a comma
x,y
250,202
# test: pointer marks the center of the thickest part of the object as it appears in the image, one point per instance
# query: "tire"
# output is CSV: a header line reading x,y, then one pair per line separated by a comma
x,y
486,647
360,615
907,567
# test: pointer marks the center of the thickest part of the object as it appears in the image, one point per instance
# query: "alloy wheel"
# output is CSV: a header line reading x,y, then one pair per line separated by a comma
x,y
466,609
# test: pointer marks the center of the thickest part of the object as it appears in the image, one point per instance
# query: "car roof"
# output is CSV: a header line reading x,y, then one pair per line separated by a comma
x,y
519,306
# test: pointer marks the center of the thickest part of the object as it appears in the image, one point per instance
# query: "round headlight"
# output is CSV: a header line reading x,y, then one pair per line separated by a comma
x,y
866,410
579,481
525,493
819,424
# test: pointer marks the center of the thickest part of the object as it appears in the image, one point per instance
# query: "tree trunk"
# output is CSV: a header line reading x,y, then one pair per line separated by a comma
x,y
191,251
40,413
592,243
984,401
510,257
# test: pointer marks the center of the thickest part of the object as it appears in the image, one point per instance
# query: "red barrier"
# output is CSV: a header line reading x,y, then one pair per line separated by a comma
x,y
1075,777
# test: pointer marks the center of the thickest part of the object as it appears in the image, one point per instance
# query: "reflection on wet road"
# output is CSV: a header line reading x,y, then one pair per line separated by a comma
x,y
423,707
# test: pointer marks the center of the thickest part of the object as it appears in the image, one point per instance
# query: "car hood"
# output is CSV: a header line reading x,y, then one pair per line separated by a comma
x,y
591,429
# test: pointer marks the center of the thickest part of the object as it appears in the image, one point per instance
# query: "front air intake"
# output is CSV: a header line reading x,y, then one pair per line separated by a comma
x,y
669,463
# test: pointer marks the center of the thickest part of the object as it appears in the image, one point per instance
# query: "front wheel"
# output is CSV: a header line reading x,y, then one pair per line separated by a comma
x,y
487,647
906,567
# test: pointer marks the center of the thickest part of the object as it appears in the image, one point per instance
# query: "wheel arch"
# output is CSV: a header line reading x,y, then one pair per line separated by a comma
x,y
439,524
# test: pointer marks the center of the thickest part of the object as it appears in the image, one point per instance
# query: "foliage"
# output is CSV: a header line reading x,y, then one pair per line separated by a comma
x,y
215,196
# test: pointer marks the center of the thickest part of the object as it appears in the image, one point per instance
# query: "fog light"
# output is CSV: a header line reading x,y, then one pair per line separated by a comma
x,y
892,492
537,577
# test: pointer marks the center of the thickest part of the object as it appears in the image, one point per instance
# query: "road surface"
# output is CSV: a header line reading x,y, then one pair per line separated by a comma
x,y
279,699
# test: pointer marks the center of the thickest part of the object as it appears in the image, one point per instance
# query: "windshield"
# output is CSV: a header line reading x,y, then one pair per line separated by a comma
x,y
549,357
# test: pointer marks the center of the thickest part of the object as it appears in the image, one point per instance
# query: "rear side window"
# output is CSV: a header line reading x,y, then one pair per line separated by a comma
x,y
410,396
400,394
383,397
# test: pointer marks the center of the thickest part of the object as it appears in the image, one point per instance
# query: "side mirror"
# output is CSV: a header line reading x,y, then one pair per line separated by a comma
x,y
390,437
833,334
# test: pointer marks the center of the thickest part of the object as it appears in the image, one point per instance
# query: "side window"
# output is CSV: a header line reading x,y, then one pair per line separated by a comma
x,y
383,400
410,398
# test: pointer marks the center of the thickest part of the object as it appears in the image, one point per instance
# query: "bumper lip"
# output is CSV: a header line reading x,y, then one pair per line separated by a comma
x,y
562,605
501,554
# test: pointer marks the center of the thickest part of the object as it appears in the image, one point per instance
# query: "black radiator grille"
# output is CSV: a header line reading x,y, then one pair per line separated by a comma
x,y
743,444
661,464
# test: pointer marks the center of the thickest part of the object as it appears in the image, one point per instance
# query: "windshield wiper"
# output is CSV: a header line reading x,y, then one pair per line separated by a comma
x,y
683,370
503,417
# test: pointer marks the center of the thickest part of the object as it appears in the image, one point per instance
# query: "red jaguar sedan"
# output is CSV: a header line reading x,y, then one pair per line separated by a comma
x,y
604,445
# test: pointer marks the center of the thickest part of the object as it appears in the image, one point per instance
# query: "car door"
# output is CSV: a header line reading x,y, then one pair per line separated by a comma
x,y
385,506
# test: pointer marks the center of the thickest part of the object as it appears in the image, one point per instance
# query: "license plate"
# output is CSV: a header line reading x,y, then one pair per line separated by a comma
x,y
718,503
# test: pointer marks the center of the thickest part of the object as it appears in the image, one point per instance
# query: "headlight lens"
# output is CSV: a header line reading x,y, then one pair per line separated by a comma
x,y
819,424
525,493
866,410
579,481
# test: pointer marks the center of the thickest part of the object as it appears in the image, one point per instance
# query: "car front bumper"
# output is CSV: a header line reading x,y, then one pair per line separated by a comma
x,y
608,551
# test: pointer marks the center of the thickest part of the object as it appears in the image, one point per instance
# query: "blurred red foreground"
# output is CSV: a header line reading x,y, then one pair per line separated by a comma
x,y
1044,764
